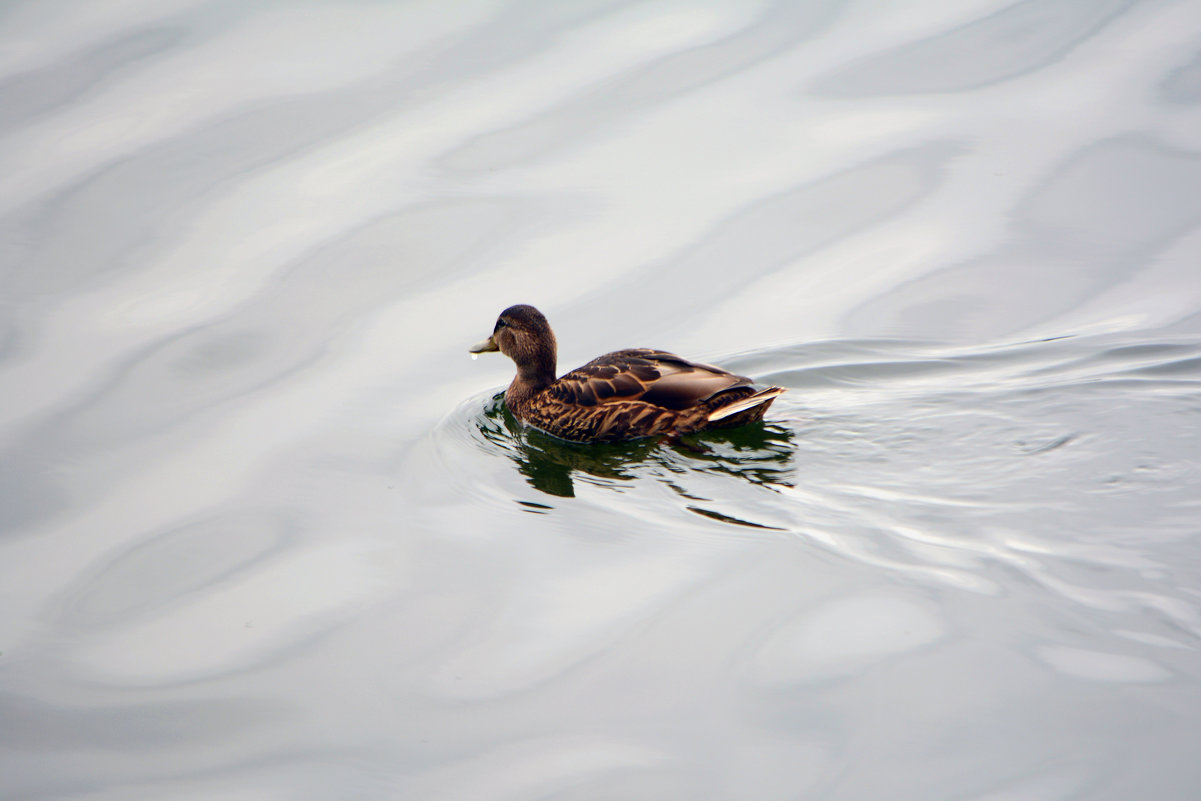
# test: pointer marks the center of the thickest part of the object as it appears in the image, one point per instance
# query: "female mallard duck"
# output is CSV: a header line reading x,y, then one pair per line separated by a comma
x,y
622,395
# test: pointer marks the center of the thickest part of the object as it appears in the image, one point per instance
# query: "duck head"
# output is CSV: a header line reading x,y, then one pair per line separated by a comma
x,y
522,334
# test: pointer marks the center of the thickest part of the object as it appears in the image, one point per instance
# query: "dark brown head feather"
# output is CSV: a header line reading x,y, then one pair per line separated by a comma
x,y
522,334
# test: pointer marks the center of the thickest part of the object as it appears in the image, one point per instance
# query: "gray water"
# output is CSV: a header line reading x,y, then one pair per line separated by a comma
x,y
267,533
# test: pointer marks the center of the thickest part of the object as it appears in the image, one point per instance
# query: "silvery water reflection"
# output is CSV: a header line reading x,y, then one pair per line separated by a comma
x,y
267,534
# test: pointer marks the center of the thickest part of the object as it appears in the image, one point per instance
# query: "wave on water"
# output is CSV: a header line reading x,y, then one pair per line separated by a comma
x,y
939,460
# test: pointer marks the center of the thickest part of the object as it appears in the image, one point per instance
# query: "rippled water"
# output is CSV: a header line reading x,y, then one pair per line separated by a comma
x,y
267,532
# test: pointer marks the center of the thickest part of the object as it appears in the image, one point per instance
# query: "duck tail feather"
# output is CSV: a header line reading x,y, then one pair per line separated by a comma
x,y
749,402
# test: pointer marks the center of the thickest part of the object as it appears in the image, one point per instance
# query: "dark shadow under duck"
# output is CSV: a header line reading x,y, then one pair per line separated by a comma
x,y
622,395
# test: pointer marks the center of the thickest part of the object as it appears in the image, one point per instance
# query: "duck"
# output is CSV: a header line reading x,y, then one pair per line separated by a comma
x,y
623,395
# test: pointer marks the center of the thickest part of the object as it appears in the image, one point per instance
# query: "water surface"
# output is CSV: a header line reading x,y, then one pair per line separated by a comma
x,y
267,532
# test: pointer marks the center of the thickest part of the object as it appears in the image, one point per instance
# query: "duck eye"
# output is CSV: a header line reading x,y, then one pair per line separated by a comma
x,y
499,325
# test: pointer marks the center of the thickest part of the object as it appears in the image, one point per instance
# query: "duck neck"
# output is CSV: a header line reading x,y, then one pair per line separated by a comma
x,y
535,372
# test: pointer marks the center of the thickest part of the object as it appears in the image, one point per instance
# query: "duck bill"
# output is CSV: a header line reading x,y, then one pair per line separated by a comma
x,y
487,346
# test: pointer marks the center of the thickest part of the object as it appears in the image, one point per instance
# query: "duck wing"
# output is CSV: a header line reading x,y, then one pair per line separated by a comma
x,y
652,376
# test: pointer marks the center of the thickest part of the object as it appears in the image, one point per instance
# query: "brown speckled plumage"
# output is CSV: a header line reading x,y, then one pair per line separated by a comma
x,y
622,395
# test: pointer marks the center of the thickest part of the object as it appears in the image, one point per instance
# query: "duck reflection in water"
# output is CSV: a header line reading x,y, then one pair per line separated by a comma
x,y
758,453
